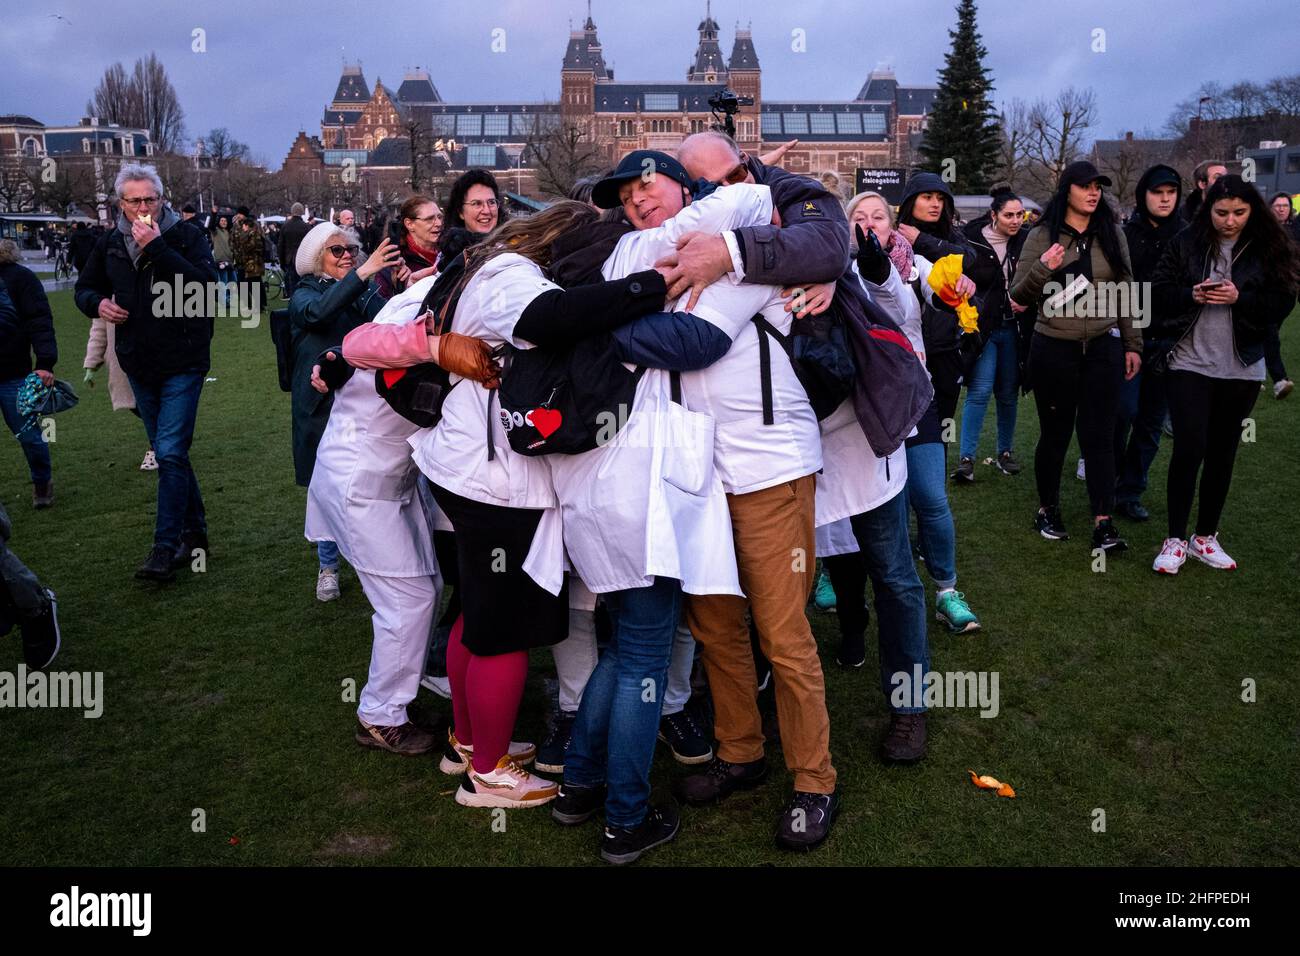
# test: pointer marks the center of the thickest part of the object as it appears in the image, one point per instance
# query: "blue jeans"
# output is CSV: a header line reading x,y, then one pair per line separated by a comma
x,y
1143,406
34,447
227,277
618,721
995,373
169,408
328,553
900,598
927,492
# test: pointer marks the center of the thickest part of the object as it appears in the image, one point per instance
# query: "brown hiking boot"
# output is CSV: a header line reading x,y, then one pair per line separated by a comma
x,y
720,779
43,495
905,742
406,739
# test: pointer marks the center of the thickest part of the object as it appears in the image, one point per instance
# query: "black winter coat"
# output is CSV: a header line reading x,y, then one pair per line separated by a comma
x,y
321,312
1263,301
151,347
31,330
987,274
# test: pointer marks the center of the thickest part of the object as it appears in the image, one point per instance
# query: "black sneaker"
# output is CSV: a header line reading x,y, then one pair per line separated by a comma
x,y
551,751
965,471
1050,525
41,638
852,652
684,738
190,541
158,566
806,822
626,844
1007,464
1105,536
575,804
721,779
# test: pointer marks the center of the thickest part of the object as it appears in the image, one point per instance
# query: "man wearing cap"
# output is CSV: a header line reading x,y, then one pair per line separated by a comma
x,y
1143,406
768,472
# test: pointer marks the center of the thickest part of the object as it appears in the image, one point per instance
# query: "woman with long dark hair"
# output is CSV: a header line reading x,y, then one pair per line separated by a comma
x,y
997,238
1074,268
926,219
1223,284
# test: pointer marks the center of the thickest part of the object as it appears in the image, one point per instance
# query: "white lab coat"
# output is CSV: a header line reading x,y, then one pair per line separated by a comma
x,y
363,490
650,503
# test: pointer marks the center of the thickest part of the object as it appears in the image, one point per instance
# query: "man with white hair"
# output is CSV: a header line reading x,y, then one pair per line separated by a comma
x,y
165,355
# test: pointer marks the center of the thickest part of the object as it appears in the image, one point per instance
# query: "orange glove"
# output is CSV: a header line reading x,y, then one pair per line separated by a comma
x,y
468,357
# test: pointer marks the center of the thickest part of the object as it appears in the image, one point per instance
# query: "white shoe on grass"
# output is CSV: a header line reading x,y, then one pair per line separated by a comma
x,y
1207,551
439,685
1171,557
459,757
507,785
327,584
150,462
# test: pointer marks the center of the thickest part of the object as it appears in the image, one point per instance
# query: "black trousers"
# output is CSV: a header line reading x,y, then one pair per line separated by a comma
x,y
848,574
505,609
1207,416
1273,354
1076,388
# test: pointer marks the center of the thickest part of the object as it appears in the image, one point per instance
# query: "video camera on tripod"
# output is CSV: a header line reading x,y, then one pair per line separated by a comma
x,y
727,102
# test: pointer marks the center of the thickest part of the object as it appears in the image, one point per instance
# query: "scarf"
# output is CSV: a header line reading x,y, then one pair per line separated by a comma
x,y
900,254
428,255
166,219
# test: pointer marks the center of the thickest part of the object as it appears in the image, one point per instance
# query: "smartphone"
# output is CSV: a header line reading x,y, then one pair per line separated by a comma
x,y
1207,284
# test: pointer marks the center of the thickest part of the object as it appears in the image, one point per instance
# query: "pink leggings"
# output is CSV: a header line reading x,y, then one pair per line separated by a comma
x,y
485,696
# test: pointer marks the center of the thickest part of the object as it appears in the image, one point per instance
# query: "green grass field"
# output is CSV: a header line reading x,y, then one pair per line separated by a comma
x,y
1120,691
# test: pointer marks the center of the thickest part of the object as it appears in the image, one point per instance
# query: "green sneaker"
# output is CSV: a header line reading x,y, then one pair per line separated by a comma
x,y
823,593
952,609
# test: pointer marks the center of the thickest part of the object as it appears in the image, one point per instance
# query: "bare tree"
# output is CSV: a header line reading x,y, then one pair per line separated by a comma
x,y
1013,154
1056,129
115,99
562,155
73,183
159,106
145,100
223,149
17,186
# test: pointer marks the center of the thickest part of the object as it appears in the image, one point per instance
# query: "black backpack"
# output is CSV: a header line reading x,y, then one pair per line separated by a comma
x,y
819,351
564,401
417,393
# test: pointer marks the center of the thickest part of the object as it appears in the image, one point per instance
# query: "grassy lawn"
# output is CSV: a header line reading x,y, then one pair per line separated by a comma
x,y
1119,690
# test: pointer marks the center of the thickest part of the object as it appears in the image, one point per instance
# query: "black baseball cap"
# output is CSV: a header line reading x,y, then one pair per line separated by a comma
x,y
1164,176
635,164
1082,173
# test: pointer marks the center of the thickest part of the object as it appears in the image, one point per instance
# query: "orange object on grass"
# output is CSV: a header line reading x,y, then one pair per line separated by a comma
x,y
986,782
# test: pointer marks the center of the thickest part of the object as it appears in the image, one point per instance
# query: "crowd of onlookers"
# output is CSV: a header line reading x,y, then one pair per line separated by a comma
x,y
408,340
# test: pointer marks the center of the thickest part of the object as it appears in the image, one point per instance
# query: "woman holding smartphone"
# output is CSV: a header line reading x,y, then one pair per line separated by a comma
x,y
1223,284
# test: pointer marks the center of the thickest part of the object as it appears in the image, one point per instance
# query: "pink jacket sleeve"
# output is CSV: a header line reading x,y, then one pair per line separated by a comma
x,y
386,346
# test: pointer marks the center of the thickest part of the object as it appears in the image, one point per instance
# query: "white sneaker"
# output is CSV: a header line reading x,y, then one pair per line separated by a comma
x,y
457,756
1283,388
1171,556
1207,551
150,462
1080,472
508,785
439,685
327,584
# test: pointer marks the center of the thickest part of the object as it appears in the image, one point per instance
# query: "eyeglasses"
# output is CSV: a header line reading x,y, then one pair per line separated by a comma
x,y
477,204
142,201
738,174
436,217
338,252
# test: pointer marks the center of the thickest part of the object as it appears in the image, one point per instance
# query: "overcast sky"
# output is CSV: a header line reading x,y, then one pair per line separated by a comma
x,y
272,65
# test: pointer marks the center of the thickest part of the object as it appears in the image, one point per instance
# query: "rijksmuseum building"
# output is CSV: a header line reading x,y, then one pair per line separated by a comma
x,y
881,126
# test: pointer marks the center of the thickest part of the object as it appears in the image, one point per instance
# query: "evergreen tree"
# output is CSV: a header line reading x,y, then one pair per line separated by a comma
x,y
963,125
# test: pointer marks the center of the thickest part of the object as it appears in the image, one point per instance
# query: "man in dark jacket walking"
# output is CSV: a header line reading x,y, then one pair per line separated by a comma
x,y
26,326
164,353
291,234
1142,405
80,245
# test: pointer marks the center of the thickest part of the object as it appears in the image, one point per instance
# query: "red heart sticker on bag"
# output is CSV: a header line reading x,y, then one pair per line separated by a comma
x,y
545,420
